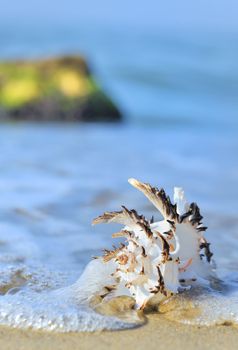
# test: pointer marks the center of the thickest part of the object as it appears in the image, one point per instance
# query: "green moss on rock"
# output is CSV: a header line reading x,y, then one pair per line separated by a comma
x,y
54,89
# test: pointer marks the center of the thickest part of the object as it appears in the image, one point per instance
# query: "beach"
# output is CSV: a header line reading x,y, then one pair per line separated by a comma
x,y
176,93
158,333
46,213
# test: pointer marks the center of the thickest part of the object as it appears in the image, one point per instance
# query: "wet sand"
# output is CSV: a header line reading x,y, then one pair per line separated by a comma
x,y
158,333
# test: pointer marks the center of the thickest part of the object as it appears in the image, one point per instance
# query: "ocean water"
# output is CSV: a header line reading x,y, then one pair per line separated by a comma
x,y
155,75
56,178
178,94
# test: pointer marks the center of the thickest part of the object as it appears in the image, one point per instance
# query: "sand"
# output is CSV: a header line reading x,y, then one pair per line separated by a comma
x,y
157,333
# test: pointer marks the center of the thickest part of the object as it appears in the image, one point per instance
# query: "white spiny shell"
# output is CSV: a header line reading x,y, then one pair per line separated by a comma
x,y
156,257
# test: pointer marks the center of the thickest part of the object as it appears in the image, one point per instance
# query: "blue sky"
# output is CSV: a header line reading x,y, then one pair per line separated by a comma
x,y
212,15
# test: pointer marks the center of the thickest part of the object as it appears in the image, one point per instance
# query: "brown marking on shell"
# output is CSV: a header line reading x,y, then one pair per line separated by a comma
x,y
106,217
161,286
110,254
146,229
139,220
143,252
110,288
161,279
131,267
120,217
184,216
122,259
107,289
142,271
134,242
169,234
128,284
193,214
206,246
201,229
126,217
158,197
171,247
122,233
165,251
172,223
143,305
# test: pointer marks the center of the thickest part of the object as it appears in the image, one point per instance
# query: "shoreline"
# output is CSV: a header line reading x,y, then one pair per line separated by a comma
x,y
157,333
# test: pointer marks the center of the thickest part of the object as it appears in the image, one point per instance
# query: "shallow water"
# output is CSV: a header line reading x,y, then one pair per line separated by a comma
x,y
56,178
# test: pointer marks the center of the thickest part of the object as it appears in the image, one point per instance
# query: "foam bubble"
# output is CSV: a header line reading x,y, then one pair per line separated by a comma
x,y
55,311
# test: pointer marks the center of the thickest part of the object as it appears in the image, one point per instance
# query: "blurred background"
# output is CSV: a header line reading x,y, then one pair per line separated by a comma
x,y
162,63
171,72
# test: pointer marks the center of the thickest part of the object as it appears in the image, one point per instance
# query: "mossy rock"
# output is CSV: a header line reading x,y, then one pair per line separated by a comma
x,y
57,89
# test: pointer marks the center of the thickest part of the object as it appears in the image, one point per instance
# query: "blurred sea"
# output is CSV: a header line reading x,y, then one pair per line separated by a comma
x,y
179,96
156,76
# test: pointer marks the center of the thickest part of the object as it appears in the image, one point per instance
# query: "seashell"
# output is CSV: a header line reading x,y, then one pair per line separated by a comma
x,y
156,257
